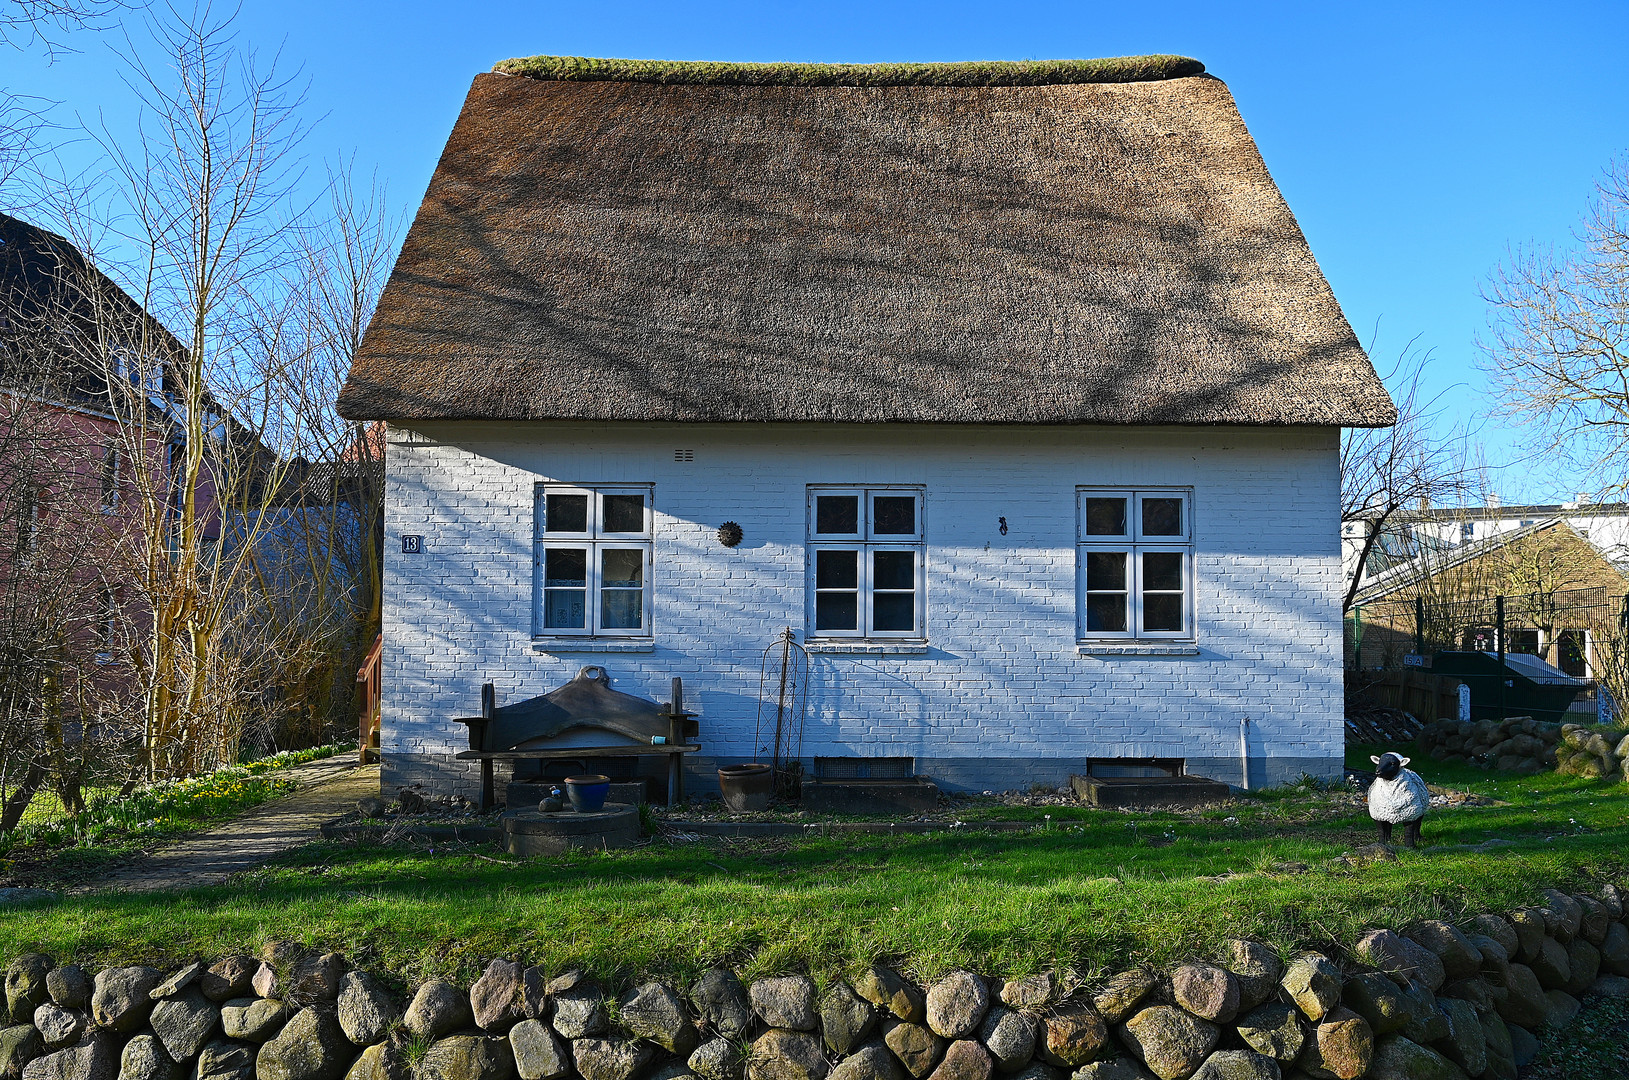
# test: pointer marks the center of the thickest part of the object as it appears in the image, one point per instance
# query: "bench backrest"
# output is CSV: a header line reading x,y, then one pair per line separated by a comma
x,y
586,702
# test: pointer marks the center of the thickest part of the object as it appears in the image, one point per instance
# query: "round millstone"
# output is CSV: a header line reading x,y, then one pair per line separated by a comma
x,y
532,832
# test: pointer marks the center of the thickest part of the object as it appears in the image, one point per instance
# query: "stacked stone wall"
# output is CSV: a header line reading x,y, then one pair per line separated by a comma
x,y
1433,1002
1524,745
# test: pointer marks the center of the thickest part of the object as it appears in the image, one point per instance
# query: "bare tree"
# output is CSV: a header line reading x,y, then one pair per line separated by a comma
x,y
50,22
65,691
1558,342
1412,465
317,575
202,194
240,587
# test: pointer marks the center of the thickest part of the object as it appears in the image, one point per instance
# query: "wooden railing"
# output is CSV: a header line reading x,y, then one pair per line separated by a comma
x,y
368,684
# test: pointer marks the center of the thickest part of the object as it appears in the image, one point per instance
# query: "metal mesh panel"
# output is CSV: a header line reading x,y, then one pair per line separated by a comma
x,y
864,768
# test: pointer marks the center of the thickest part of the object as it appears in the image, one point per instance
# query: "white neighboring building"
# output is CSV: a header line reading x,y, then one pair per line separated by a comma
x,y
1604,525
1026,400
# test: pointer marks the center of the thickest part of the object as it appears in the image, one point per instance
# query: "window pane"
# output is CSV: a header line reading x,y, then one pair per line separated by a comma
x,y
1162,517
565,513
620,568
837,611
1162,611
565,567
893,515
837,570
837,515
565,609
622,609
893,611
1162,570
625,513
1105,571
1106,613
1105,517
893,569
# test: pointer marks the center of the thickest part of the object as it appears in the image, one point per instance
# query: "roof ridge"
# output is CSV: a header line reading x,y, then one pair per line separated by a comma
x,y
1116,69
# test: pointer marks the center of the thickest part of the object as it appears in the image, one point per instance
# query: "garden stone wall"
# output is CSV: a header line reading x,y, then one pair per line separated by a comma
x,y
1432,1002
1524,745
1519,744
1583,752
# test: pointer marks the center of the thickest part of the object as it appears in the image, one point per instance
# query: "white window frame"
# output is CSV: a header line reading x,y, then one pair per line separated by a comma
x,y
595,540
112,475
1134,544
866,542
107,623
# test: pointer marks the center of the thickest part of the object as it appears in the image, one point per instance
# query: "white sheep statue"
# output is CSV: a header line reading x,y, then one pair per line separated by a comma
x,y
1397,797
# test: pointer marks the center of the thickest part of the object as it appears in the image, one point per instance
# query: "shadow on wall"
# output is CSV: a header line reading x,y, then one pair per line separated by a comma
x,y
1025,682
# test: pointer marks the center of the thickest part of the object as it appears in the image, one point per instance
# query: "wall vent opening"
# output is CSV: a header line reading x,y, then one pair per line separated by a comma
x,y
684,455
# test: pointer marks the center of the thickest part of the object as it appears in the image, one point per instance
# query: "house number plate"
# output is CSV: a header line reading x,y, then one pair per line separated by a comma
x,y
412,545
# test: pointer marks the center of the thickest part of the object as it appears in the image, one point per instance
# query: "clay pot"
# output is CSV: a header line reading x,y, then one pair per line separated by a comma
x,y
747,787
587,792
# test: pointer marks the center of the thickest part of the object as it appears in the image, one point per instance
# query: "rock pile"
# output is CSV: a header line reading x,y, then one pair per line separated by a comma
x,y
1519,744
1436,1002
1585,752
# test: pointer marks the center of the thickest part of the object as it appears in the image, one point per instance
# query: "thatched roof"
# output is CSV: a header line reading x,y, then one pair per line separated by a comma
x,y
1097,252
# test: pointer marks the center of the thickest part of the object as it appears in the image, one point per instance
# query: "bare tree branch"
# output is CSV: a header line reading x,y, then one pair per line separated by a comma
x,y
1557,347
49,23
1412,465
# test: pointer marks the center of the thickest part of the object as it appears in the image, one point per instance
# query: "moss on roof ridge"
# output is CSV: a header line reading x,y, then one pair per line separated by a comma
x,y
966,73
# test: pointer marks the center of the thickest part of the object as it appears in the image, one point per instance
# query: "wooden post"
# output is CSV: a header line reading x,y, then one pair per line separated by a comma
x,y
1419,626
489,712
676,717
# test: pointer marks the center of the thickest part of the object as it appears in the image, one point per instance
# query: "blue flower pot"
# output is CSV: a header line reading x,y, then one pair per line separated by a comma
x,y
587,793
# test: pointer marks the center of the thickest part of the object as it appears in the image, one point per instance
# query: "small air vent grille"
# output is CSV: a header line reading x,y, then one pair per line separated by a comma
x,y
684,455
875,768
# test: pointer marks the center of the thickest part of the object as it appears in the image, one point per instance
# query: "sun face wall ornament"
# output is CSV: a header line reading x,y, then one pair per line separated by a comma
x,y
730,534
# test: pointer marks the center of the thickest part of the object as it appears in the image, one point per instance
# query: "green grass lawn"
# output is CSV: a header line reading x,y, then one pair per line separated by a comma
x,y
1097,889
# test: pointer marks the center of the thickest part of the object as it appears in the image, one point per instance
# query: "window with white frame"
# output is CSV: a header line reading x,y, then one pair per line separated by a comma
x,y
112,475
1134,564
592,561
866,556
107,624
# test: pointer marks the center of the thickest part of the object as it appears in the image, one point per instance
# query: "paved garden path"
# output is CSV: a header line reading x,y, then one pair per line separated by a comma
x,y
328,789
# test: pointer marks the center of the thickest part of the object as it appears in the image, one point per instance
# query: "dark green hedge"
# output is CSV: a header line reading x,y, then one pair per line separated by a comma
x,y
971,73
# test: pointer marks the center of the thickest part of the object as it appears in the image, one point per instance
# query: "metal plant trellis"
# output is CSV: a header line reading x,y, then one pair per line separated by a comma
x,y
791,703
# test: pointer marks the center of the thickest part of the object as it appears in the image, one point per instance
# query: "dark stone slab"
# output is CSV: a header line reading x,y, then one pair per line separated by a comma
x,y
862,796
531,832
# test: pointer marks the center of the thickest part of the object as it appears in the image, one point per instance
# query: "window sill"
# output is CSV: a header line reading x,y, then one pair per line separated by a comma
x,y
868,648
576,645
1136,648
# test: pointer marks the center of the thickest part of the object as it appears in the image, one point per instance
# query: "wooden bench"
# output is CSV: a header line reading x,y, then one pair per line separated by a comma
x,y
532,730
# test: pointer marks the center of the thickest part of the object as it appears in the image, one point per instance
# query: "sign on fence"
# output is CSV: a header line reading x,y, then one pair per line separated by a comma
x,y
1464,702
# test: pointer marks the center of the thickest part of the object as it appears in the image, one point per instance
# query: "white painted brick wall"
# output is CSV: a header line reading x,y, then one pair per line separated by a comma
x,y
1002,678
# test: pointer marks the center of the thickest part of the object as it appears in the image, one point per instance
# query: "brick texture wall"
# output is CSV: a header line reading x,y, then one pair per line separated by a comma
x,y
1002,692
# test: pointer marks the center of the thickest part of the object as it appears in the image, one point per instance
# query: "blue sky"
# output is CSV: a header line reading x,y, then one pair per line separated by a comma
x,y
1415,142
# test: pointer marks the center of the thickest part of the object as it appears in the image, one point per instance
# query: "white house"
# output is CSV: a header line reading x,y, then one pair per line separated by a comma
x,y
1026,400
